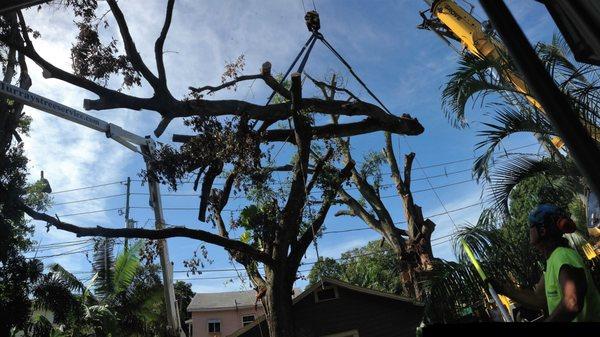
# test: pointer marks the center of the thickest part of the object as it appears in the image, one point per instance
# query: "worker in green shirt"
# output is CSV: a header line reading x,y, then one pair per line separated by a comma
x,y
566,289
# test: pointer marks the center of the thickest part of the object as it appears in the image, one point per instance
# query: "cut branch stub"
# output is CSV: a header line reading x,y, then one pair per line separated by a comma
x,y
265,70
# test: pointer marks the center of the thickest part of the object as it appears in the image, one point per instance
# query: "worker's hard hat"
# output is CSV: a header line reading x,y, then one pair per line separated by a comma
x,y
553,218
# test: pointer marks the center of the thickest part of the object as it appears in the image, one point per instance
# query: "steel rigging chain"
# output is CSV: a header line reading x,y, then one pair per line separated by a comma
x,y
313,23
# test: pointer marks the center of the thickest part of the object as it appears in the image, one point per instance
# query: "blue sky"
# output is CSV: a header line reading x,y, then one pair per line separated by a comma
x,y
404,66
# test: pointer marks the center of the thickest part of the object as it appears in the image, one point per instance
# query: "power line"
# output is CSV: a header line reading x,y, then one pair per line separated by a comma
x,y
75,251
432,188
55,247
414,169
239,210
63,243
91,212
324,232
448,211
70,252
88,187
181,208
441,243
226,210
301,271
90,199
446,174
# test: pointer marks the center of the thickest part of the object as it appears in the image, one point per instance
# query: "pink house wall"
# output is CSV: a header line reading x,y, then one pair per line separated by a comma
x,y
231,320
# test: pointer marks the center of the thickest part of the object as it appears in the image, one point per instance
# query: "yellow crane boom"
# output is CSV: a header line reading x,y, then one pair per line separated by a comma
x,y
458,24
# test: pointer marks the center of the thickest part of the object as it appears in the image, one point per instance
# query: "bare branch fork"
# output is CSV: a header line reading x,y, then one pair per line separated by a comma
x,y
163,102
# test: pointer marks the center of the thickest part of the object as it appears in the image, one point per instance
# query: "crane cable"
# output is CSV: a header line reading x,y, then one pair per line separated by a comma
x,y
330,47
313,24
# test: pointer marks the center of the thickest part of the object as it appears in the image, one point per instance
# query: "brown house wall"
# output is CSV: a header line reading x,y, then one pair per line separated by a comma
x,y
372,316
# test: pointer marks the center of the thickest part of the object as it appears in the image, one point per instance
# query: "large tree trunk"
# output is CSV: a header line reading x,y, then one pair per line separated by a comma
x,y
278,306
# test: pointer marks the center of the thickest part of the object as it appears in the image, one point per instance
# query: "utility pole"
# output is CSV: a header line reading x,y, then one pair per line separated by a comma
x,y
136,143
163,250
128,222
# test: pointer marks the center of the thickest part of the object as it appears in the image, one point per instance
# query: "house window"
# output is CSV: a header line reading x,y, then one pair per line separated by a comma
x,y
247,319
326,294
214,325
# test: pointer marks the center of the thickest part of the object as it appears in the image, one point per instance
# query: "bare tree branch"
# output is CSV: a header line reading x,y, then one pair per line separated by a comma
x,y
227,190
329,131
332,87
393,163
169,107
153,234
300,247
356,209
292,211
265,75
131,50
318,169
365,189
408,160
160,42
215,168
117,99
211,89
286,168
273,83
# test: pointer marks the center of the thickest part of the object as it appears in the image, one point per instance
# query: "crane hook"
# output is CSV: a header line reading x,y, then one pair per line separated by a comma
x,y
313,23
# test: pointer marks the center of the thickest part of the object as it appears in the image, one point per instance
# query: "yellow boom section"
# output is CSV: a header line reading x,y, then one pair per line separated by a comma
x,y
470,32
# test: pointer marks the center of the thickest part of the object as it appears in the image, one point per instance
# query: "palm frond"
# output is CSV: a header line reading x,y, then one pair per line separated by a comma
x,y
54,294
514,170
472,80
69,279
578,81
102,318
499,259
87,297
452,286
102,264
41,327
555,57
480,238
508,121
126,266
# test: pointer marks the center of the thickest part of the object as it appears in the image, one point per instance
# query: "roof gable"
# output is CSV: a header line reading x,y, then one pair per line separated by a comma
x,y
352,287
338,283
222,301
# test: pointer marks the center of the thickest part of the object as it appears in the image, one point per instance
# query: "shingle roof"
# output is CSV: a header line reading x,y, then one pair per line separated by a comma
x,y
226,300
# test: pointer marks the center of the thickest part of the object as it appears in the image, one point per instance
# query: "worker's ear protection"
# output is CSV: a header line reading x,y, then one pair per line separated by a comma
x,y
552,219
566,225
563,223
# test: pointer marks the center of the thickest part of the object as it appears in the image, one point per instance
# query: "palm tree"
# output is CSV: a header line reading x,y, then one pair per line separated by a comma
x,y
120,300
477,79
121,288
